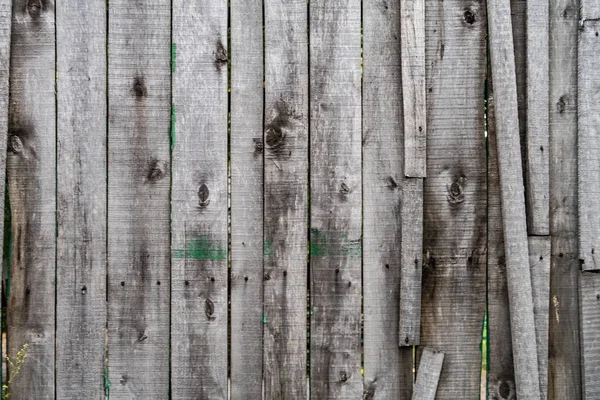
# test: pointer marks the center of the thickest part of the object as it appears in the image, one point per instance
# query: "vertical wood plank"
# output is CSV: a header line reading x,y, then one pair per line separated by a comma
x,y
81,196
31,169
388,368
413,86
199,205
590,331
428,374
138,198
336,198
453,299
286,198
246,51
518,13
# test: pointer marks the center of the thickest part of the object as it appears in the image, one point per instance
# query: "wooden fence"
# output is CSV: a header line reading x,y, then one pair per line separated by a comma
x,y
282,199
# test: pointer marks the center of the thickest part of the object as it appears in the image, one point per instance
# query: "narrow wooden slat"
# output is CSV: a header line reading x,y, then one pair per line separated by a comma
x,y
453,299
286,199
590,334
199,205
246,198
336,194
81,191
31,170
428,374
388,368
413,86
564,364
139,75
518,13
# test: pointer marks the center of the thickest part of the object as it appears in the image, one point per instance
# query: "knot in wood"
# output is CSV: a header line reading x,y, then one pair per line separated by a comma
x,y
158,170
15,144
344,189
456,192
275,137
209,309
344,376
220,55
469,16
203,194
258,145
34,8
139,88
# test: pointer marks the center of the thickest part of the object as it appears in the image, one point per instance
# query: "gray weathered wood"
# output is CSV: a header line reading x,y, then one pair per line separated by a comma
x,y
199,201
590,334
538,140
411,262
336,194
428,374
246,198
388,368
453,299
31,170
138,198
518,12
412,27
286,199
81,196
513,200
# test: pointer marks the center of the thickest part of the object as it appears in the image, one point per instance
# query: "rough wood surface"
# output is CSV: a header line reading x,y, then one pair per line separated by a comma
x,y
81,196
31,170
453,298
388,368
138,198
336,199
412,40
199,205
590,332
286,199
428,374
246,198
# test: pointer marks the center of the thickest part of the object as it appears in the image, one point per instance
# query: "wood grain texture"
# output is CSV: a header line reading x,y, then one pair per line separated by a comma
x,y
81,196
336,199
590,330
246,198
453,298
199,205
518,13
388,368
286,199
513,200
139,75
412,35
31,170
428,374
564,364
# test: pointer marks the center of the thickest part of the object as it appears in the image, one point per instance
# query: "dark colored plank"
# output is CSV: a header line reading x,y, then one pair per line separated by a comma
x,y
590,331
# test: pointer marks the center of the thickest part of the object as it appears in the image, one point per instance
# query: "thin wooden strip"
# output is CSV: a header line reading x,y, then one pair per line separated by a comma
x,y
513,200
453,298
81,190
199,205
139,75
387,368
286,199
411,262
336,199
428,374
31,170
413,86
246,198
590,331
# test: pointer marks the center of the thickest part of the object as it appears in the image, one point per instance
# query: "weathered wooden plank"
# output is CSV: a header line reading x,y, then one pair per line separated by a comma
x,y
31,170
413,86
138,198
199,205
564,364
286,198
453,299
518,11
246,198
81,196
590,334
336,194
387,367
428,374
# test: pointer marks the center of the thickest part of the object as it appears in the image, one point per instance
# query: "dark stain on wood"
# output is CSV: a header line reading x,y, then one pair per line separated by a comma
x,y
203,194
469,18
35,8
157,170
139,89
220,56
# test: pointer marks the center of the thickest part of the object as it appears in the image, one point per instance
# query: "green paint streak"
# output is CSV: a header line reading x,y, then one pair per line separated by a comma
x,y
201,249
333,244
264,318
173,56
267,248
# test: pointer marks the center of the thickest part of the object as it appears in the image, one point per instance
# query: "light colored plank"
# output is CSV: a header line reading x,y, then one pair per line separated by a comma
x,y
199,202
81,191
590,334
286,198
388,368
413,86
428,374
453,298
336,199
31,170
246,198
138,198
